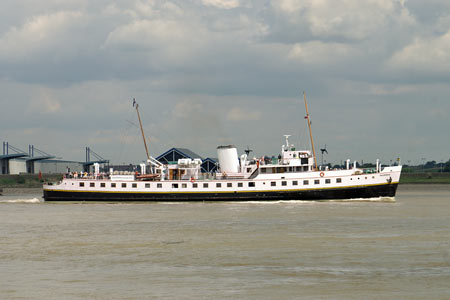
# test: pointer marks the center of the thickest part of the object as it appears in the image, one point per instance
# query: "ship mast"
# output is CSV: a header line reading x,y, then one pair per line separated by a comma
x,y
310,132
142,130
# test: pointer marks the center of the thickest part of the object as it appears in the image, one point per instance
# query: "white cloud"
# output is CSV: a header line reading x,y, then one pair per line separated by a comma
x,y
226,4
40,35
430,55
45,103
350,19
321,53
241,114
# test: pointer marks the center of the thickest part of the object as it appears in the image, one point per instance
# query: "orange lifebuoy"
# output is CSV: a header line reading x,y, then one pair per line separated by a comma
x,y
322,174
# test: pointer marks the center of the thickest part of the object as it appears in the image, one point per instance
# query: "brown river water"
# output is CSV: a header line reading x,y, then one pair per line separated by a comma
x,y
282,250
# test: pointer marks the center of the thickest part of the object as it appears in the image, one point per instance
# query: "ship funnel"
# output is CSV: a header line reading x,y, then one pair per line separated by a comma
x,y
228,159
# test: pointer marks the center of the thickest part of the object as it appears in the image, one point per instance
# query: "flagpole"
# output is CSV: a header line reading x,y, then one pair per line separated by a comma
x,y
310,132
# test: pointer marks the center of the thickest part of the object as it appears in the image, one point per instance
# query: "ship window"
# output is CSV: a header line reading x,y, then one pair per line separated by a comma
x,y
263,170
295,182
273,183
147,185
281,170
113,185
305,182
317,181
291,169
240,184
92,184
81,184
134,185
229,184
338,180
174,185
124,185
249,170
218,184
195,185
102,184
284,183
205,185
159,185
298,169
327,180
184,185
304,161
251,184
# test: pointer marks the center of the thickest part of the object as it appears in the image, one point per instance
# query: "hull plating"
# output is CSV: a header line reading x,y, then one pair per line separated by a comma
x,y
385,190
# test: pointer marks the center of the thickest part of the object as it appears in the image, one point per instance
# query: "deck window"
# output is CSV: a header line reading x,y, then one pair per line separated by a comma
x,y
159,185
240,184
82,184
218,185
184,185
124,185
113,185
249,170
147,185
134,185
92,184
305,182
205,185
263,170
273,183
195,185
295,182
284,183
174,185
317,181
102,184
338,180
304,161
327,180
251,184
229,184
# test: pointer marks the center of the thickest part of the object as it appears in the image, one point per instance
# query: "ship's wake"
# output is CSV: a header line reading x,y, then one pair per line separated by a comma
x,y
32,200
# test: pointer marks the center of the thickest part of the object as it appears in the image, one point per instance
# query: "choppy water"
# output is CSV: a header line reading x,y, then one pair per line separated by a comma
x,y
283,250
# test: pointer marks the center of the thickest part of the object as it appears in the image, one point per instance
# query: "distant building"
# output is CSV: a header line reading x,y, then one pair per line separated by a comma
x,y
171,156
48,166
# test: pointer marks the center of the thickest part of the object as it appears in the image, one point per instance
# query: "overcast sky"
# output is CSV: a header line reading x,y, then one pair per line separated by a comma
x,y
211,72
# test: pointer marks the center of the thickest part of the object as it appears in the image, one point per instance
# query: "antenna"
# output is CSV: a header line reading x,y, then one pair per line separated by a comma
x,y
248,150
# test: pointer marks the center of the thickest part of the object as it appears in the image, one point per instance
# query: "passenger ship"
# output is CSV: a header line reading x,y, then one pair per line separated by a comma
x,y
294,175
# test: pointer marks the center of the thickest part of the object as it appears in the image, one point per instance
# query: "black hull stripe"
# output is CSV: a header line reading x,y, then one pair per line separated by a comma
x,y
386,190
